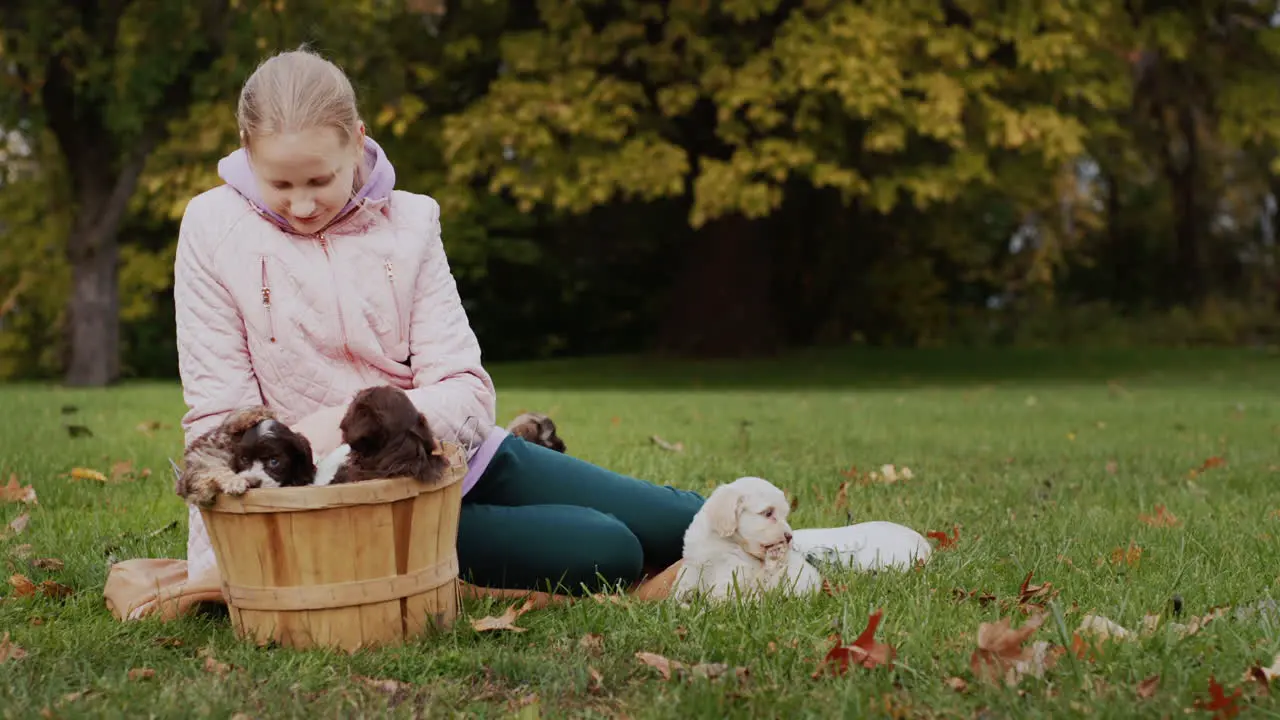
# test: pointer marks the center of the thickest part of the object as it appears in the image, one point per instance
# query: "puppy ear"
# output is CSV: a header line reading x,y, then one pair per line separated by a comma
x,y
722,510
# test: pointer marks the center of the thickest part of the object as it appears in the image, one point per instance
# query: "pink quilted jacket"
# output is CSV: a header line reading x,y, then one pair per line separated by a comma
x,y
302,322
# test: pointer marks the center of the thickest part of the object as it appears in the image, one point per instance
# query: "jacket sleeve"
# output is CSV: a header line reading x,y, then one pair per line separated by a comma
x,y
213,351
450,387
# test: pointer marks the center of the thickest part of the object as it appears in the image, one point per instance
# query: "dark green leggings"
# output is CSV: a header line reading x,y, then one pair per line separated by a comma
x,y
542,520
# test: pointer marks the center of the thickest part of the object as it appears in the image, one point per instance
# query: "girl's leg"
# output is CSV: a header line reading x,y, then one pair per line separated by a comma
x,y
557,548
522,473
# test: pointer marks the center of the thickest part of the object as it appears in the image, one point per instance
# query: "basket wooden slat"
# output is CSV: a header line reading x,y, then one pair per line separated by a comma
x,y
350,566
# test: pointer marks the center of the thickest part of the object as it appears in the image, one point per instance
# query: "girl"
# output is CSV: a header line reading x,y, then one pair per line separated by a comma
x,y
307,277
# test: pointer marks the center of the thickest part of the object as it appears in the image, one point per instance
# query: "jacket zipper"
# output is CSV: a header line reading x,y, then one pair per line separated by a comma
x,y
266,298
342,324
395,298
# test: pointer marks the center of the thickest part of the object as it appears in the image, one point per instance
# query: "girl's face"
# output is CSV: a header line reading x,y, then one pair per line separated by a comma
x,y
307,176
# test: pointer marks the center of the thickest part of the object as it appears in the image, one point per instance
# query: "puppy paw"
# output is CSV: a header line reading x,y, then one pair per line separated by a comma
x,y
234,484
199,492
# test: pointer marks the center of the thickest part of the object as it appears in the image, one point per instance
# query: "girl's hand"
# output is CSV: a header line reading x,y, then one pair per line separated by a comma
x,y
321,429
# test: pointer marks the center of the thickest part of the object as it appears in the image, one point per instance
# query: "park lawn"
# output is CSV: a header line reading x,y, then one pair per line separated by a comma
x,y
1044,461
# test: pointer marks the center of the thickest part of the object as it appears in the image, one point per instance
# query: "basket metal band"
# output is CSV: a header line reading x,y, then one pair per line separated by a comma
x,y
343,594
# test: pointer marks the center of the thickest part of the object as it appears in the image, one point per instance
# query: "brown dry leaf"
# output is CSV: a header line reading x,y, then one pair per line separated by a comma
x,y
80,473
1263,676
211,665
121,470
663,665
669,447
1162,518
390,687
1028,592
22,586
505,621
1147,688
945,542
1209,464
957,684
49,588
1112,467
16,526
982,596
864,651
1221,704
1001,655
1102,628
842,496
14,492
142,673
682,632
10,651
833,590
52,564
20,552
1130,556
147,427
597,680
1197,623
592,643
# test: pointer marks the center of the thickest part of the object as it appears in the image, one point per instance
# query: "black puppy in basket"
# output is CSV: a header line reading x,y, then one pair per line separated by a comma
x,y
383,436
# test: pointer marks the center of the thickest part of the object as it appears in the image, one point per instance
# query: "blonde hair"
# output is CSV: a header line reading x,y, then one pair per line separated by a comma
x,y
293,91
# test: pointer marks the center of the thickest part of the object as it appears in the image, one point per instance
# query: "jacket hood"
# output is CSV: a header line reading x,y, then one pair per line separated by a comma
x,y
379,181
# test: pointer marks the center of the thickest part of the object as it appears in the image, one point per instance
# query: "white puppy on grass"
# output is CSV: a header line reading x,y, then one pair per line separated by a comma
x,y
740,543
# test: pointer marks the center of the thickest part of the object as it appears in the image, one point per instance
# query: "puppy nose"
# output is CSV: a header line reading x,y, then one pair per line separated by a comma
x,y
787,536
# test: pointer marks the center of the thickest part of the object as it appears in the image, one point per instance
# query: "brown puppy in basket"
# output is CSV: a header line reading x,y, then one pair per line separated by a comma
x,y
383,436
249,449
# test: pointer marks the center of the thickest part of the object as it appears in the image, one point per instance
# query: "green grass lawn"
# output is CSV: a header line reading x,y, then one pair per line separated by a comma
x,y
1045,461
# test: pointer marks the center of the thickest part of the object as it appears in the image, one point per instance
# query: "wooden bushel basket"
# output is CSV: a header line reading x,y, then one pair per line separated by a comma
x,y
349,566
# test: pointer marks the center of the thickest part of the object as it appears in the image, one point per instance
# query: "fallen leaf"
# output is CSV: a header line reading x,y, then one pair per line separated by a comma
x,y
682,632
147,427
1222,705
663,665
1264,675
983,597
957,684
14,492
10,651
945,542
833,590
863,651
1162,518
842,496
1102,628
1028,592
53,564
22,586
1001,655
390,687
1130,556
16,526
211,665
80,473
121,470
597,680
592,643
49,588
20,552
1147,688
1112,467
505,621
142,673
670,447
1197,623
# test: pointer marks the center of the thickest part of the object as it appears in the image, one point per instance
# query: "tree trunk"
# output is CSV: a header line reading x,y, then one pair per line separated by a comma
x,y
721,304
1190,261
93,252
